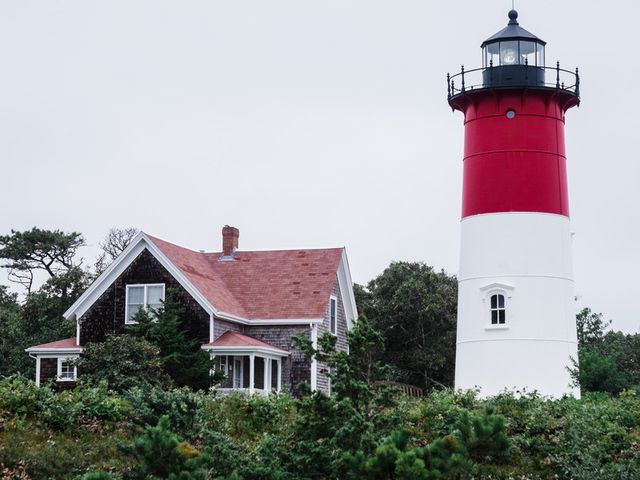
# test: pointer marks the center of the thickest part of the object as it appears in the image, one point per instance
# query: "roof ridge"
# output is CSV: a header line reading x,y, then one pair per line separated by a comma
x,y
212,272
259,284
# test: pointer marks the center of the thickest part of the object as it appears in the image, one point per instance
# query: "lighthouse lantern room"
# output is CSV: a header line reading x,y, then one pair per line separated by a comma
x,y
516,315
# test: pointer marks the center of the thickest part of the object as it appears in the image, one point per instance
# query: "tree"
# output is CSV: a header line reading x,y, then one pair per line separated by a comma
x,y
161,454
475,439
415,308
11,330
364,299
591,327
52,251
350,419
112,246
181,357
38,320
354,372
597,372
608,362
124,361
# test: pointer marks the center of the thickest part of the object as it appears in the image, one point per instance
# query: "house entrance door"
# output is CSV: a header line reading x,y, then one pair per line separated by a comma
x,y
237,372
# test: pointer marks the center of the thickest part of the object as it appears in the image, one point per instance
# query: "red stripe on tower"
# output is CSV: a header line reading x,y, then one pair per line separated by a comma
x,y
514,155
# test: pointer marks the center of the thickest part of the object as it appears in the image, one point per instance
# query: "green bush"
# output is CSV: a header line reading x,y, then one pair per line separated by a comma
x,y
160,453
180,405
97,402
20,396
60,410
125,362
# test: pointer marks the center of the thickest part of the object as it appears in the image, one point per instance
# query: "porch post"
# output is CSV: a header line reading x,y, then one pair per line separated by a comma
x,y
252,358
279,374
265,386
314,362
37,370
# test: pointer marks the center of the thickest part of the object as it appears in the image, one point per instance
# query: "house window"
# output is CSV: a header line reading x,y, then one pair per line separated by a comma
x,y
221,364
143,296
498,310
333,315
66,370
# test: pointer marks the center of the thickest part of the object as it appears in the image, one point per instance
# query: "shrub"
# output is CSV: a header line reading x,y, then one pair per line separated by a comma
x,y
21,396
180,405
125,362
161,454
97,402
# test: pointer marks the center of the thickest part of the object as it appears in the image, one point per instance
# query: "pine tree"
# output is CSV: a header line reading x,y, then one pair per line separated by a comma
x,y
161,454
181,357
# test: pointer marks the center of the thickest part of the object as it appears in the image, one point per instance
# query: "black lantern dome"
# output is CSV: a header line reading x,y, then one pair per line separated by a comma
x,y
513,45
514,55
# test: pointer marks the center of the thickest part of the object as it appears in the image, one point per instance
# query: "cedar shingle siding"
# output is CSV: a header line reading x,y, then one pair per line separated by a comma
x,y
295,367
48,369
341,343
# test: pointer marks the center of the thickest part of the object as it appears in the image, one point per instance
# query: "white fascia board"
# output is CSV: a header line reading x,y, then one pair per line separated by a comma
x,y
52,351
104,281
286,321
89,295
346,290
230,350
261,321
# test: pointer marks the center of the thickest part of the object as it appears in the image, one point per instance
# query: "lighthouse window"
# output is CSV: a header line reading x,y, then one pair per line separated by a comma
x,y
498,310
511,114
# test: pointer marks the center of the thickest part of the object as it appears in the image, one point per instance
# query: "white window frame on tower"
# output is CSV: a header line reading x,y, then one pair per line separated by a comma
x,y
499,308
491,290
145,304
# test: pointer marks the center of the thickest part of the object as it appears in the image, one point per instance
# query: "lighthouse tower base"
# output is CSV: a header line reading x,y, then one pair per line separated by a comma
x,y
524,342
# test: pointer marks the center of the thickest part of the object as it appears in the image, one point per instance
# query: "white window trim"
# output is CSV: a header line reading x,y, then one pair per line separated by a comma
x,y
59,377
145,304
507,292
333,298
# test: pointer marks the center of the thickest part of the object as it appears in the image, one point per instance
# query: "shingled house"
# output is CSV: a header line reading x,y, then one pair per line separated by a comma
x,y
243,306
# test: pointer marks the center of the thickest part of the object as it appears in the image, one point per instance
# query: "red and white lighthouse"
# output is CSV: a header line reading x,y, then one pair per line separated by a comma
x,y
516,314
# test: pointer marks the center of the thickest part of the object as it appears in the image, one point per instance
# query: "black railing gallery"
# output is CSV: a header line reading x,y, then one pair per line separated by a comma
x,y
529,76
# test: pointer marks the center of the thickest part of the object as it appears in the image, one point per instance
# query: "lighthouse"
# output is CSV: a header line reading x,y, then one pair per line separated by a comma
x,y
516,317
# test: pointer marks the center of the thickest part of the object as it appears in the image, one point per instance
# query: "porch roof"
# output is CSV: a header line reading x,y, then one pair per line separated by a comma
x,y
67,345
231,341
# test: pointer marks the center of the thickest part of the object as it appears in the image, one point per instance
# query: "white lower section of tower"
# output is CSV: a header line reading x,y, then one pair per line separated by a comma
x,y
526,258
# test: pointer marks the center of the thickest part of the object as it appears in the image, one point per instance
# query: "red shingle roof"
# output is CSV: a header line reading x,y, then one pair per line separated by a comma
x,y
66,343
260,285
235,339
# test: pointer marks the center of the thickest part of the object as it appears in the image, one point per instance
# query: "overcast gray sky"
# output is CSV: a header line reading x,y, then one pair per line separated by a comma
x,y
303,123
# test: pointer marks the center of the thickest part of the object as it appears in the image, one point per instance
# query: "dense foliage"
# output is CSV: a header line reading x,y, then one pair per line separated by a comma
x,y
124,361
414,307
92,433
609,361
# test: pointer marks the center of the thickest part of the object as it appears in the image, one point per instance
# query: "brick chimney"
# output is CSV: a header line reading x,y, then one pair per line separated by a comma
x,y
230,237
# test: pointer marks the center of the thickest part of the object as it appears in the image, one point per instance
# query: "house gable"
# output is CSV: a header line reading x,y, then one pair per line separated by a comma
x,y
140,243
107,314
